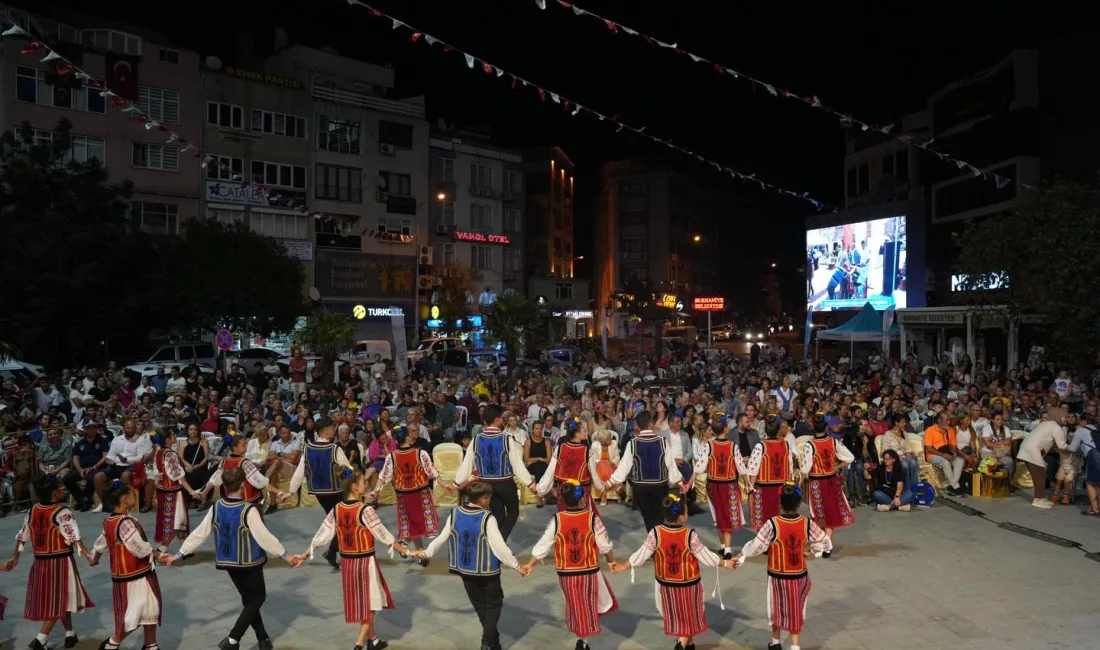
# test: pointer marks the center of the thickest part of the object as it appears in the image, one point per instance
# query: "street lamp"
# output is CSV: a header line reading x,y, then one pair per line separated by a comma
x,y
697,238
441,196
773,265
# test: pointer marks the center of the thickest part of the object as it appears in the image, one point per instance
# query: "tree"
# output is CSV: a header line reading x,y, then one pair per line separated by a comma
x,y
327,334
510,321
640,301
1044,257
452,298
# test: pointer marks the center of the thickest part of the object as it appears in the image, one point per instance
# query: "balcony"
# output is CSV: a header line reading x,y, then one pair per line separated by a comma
x,y
370,102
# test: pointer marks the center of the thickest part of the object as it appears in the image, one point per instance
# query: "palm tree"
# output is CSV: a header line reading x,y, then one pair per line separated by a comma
x,y
510,321
328,335
8,351
452,300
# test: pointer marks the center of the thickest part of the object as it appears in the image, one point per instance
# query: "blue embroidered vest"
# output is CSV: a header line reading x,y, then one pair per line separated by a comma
x,y
491,459
234,546
468,545
649,462
322,471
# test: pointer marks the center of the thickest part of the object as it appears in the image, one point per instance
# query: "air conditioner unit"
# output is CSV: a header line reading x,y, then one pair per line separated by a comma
x,y
387,149
488,192
475,190
382,196
427,254
425,283
441,229
506,195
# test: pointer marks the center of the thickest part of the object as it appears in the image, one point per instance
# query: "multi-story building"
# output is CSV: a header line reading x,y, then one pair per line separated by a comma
x,y
477,214
141,67
656,227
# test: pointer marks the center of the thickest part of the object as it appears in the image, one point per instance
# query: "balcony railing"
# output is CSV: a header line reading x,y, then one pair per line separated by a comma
x,y
362,100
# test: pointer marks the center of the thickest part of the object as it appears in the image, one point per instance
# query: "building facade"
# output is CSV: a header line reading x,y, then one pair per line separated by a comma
x,y
161,80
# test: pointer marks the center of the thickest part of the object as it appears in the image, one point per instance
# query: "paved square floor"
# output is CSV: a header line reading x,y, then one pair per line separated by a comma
x,y
930,579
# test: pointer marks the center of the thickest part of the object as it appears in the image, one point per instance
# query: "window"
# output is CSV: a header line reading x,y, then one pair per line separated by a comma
x,y
864,179
512,260
511,181
395,226
481,175
634,248
481,257
156,218
31,87
279,175
281,226
225,168
160,104
563,290
395,133
888,165
337,183
81,147
110,40
447,170
633,190
481,216
224,115
169,56
447,213
228,217
341,136
278,124
445,255
156,156
634,217
395,184
512,220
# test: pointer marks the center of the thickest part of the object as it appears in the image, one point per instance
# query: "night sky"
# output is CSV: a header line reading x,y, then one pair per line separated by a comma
x,y
873,59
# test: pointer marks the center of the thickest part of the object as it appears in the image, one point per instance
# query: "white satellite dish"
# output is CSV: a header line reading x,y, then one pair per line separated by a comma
x,y
213,62
314,294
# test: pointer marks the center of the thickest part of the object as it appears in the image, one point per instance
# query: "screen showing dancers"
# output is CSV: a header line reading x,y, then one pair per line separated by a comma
x,y
850,265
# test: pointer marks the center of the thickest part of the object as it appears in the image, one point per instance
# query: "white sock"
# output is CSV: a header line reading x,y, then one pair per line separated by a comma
x,y
794,647
232,641
726,549
69,633
775,640
42,638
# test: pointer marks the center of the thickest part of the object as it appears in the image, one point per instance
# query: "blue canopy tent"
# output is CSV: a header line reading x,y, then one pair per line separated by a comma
x,y
866,326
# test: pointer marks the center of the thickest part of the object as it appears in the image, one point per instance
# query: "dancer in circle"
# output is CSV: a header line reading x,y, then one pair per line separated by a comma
x,y
170,480
824,456
255,482
321,468
772,463
571,461
649,468
723,464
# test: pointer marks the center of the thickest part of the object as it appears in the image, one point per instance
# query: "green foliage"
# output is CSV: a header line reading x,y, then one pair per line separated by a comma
x,y
640,301
1046,250
511,320
452,300
78,273
328,335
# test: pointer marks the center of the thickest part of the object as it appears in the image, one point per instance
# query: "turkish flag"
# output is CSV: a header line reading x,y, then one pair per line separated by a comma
x,y
122,75
61,73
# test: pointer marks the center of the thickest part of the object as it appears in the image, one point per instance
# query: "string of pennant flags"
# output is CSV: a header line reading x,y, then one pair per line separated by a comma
x,y
64,67
575,108
615,27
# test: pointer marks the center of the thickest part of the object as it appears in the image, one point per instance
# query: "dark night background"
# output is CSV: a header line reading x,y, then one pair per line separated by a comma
x,y
872,59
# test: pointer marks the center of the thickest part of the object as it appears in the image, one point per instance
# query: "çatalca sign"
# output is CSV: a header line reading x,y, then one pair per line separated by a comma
x,y
709,304
481,238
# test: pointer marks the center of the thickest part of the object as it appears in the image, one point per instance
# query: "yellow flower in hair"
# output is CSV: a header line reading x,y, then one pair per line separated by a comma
x,y
572,482
675,498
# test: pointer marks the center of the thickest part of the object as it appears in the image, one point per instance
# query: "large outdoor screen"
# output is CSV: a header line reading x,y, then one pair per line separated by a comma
x,y
850,265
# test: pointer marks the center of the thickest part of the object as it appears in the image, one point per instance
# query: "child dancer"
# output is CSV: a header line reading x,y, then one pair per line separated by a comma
x,y
169,478
241,545
825,457
677,552
477,549
255,482
135,588
722,462
411,470
578,538
785,539
603,458
772,463
54,589
570,462
356,527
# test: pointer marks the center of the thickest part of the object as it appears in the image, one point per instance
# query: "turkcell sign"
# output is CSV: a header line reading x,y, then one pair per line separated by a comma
x,y
385,311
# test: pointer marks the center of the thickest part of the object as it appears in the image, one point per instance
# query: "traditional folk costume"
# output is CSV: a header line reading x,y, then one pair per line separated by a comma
x,y
828,505
677,553
578,539
322,470
411,471
784,538
651,471
356,526
135,588
605,458
571,461
54,589
494,457
772,463
477,550
172,516
252,490
241,545
723,464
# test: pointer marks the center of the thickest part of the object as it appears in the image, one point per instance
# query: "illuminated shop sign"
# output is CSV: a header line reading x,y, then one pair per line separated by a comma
x,y
709,304
481,238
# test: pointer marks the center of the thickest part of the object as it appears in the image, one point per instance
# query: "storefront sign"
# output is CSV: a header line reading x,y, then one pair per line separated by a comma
x,y
709,304
235,193
475,322
579,313
347,274
385,311
907,317
481,238
299,249
668,300
264,78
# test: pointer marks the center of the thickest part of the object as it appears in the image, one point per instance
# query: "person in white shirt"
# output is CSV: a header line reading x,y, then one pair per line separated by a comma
x,y
601,371
176,384
657,471
126,451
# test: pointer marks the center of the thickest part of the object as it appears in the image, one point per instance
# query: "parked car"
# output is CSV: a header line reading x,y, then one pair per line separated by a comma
x,y
429,346
254,360
724,332
179,354
21,370
365,350
564,356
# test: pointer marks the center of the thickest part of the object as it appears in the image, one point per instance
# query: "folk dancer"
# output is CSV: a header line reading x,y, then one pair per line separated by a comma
x,y
255,483
723,464
786,538
321,468
411,470
571,461
494,458
54,589
677,553
649,468
577,537
135,590
356,526
169,479
241,545
825,457
772,464
477,550
603,458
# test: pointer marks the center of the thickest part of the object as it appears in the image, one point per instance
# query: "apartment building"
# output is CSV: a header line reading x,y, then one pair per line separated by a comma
x,y
478,214
163,81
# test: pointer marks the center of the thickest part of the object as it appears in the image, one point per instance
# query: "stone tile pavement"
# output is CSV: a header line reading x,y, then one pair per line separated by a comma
x,y
930,579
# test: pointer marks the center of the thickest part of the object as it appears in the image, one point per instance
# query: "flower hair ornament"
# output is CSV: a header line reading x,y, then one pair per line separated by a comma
x,y
721,416
575,486
399,433
347,473
790,487
155,438
229,438
676,505
573,424
117,484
